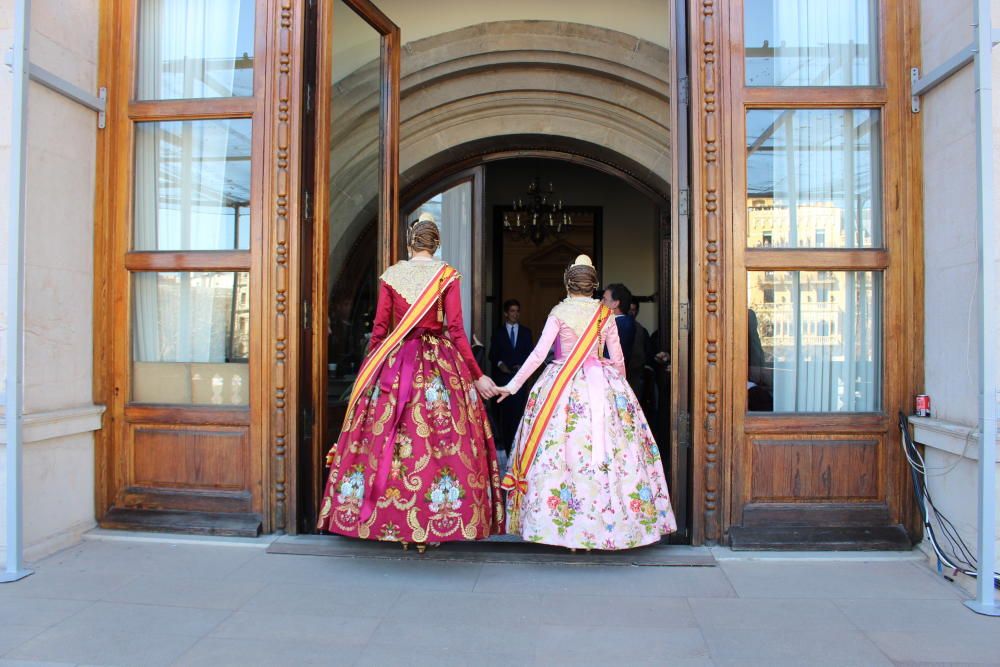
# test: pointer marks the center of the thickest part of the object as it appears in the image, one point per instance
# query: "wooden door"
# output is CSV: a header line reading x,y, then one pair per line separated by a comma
x,y
804,234
178,250
350,219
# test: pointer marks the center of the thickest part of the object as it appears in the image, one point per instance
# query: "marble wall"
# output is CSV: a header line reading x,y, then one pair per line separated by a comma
x,y
59,412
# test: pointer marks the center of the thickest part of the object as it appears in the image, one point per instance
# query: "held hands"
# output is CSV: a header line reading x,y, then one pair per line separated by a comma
x,y
486,387
502,393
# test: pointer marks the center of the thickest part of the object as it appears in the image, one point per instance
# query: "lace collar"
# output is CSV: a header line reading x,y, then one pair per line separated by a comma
x,y
409,277
576,312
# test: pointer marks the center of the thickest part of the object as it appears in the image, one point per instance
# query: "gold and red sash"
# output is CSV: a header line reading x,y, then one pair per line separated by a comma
x,y
515,481
429,295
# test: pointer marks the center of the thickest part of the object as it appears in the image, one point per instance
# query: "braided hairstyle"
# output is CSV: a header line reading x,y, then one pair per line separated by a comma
x,y
581,277
423,234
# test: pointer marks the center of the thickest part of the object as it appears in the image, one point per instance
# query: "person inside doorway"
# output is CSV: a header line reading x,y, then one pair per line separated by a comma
x,y
510,346
618,298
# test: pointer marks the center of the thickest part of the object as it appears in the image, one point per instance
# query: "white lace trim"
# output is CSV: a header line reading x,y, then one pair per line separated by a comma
x,y
409,277
576,313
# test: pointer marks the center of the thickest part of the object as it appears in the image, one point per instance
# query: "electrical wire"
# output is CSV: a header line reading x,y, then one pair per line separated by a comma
x,y
958,556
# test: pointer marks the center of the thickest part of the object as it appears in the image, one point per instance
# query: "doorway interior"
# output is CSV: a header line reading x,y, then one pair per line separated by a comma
x,y
623,221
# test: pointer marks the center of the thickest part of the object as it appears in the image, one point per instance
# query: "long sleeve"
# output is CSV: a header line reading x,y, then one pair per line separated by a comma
x,y
456,327
614,347
383,316
537,355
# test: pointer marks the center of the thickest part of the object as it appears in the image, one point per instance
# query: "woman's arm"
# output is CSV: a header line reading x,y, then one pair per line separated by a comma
x,y
456,327
383,316
537,355
614,345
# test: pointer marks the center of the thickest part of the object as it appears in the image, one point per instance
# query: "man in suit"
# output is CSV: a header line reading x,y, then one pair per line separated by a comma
x,y
510,346
618,298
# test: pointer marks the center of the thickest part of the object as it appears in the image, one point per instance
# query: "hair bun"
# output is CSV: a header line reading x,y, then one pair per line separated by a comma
x,y
583,260
426,216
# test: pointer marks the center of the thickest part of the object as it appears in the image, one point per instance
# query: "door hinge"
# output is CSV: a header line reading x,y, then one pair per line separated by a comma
x,y
684,430
307,206
309,98
305,314
684,316
308,419
684,202
684,90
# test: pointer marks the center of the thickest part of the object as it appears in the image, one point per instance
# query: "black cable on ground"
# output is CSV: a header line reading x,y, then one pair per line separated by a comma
x,y
960,556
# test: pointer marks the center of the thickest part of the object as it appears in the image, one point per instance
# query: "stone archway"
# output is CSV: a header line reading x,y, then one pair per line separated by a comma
x,y
551,85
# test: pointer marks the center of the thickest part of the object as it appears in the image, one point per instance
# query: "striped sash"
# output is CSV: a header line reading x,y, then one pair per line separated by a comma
x,y
416,312
516,481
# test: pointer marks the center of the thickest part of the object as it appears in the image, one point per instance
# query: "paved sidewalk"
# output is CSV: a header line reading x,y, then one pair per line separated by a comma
x,y
115,602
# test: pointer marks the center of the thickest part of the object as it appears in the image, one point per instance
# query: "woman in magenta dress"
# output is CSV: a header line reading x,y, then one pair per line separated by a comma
x,y
415,461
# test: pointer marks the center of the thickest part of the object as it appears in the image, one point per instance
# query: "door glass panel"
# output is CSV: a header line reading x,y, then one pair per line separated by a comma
x,y
452,209
814,341
814,178
191,337
192,185
811,42
354,194
195,49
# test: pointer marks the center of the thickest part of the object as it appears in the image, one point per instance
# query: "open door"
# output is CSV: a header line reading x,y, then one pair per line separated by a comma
x,y
457,206
681,478
350,215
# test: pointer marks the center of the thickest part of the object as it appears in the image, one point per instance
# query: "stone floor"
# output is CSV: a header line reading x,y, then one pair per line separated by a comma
x,y
113,601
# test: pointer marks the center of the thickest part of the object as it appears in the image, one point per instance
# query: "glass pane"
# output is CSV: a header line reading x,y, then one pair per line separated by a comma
x,y
191,338
452,209
192,185
814,178
811,42
815,341
355,140
195,48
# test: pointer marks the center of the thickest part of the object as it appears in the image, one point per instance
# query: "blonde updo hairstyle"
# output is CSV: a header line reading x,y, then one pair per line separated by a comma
x,y
423,234
581,277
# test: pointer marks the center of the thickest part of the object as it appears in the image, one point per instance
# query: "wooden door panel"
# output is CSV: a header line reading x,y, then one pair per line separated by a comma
x,y
822,469
203,458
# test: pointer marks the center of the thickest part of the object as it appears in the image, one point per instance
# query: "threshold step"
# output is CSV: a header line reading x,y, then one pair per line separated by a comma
x,y
178,521
819,538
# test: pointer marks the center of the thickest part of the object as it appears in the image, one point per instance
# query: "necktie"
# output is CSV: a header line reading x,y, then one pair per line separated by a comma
x,y
513,336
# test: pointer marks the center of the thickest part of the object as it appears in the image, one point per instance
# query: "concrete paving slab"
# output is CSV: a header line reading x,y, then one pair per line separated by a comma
x,y
322,600
342,630
619,645
769,614
83,645
902,580
224,652
812,646
582,580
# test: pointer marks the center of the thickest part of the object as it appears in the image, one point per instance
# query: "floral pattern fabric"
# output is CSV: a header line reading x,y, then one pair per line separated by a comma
x,y
442,481
617,502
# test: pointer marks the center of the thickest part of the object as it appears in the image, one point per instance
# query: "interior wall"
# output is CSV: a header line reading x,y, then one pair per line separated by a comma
x,y
630,250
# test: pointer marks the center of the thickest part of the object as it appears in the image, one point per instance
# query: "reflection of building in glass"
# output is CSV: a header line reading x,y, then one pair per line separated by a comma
x,y
770,223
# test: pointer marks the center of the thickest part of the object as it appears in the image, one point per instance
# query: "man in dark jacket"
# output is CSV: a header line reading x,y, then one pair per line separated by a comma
x,y
617,297
509,348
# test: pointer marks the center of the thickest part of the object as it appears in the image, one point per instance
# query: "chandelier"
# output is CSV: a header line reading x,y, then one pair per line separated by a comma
x,y
539,216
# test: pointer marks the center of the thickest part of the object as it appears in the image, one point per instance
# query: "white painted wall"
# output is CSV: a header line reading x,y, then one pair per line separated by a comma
x,y
58,452
951,251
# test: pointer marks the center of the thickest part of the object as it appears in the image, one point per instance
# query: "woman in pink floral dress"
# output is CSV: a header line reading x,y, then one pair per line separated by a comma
x,y
415,462
594,479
